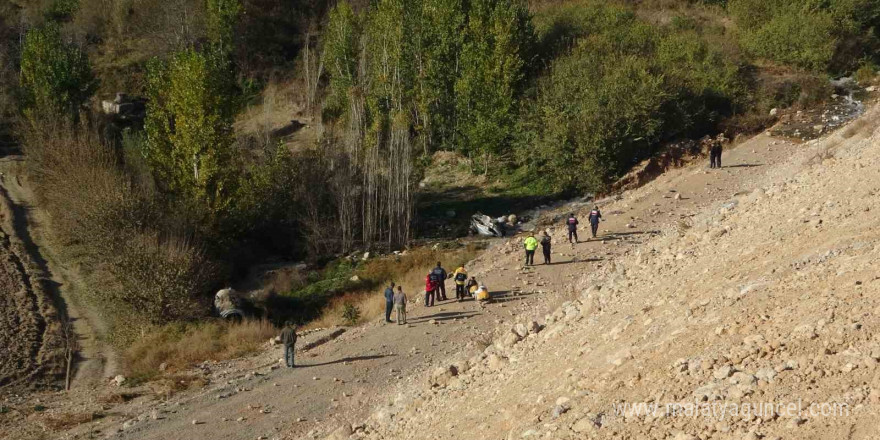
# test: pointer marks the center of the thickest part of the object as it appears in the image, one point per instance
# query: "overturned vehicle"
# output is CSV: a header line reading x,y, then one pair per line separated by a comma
x,y
233,305
484,225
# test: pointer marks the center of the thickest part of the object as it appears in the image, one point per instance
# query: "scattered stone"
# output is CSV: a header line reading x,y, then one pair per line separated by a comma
x,y
118,380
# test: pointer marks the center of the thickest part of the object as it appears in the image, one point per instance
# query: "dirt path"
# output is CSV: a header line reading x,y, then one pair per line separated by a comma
x,y
95,360
344,381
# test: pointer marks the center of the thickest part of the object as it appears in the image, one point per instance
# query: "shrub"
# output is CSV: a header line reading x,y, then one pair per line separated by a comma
x,y
120,234
351,314
794,36
56,76
816,35
621,89
866,74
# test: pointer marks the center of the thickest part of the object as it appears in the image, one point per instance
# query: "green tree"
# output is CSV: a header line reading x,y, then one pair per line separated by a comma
x,y
222,17
56,76
340,54
440,43
494,60
191,109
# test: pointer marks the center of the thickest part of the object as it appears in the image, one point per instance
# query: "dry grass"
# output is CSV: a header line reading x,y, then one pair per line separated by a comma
x,y
179,346
407,270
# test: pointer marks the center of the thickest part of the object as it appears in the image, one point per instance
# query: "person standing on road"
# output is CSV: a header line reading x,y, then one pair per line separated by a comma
x,y
441,276
530,244
400,303
460,277
545,247
389,302
595,216
288,339
430,287
572,223
715,149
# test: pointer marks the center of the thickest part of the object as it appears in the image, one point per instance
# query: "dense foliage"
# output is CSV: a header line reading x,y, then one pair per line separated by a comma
x,y
813,34
192,104
56,75
622,87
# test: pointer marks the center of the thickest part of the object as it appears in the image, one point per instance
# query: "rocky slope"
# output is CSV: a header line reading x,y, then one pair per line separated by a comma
x,y
756,316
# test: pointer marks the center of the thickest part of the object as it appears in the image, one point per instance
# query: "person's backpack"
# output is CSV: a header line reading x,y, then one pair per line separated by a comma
x,y
461,276
434,277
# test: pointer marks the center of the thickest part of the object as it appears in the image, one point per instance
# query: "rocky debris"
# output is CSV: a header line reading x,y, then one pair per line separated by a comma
x,y
442,375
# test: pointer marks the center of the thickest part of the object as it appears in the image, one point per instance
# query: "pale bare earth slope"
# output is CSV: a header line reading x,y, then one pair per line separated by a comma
x,y
765,301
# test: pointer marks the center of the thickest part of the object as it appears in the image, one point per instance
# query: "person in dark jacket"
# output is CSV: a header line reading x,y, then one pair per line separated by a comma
x,y
389,302
572,223
545,247
288,339
595,216
715,149
441,276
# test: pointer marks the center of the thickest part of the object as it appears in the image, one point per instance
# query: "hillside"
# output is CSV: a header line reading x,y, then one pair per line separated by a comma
x,y
766,295
742,285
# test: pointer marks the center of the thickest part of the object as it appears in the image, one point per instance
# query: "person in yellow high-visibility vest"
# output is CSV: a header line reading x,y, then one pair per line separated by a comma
x,y
531,243
460,277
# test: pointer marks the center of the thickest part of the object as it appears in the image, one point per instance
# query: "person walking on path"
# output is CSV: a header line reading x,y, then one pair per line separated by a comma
x,y
460,277
572,223
400,303
545,247
430,287
389,302
288,339
441,276
595,216
530,244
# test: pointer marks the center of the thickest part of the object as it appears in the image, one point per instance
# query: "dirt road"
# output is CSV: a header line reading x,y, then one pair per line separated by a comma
x,y
52,284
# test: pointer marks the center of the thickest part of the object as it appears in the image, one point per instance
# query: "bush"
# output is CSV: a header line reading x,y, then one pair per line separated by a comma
x,y
123,237
866,74
621,89
351,314
56,76
794,36
816,35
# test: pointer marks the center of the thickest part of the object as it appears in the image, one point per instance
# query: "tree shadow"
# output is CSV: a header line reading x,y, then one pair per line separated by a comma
x,y
443,316
289,129
346,359
744,165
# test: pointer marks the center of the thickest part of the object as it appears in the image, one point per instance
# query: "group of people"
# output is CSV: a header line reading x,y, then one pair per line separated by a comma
x,y
435,291
435,284
715,147
531,243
